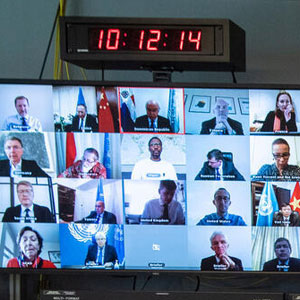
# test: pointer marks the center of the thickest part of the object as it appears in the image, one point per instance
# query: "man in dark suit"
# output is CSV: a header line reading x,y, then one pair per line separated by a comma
x,y
152,122
283,262
221,261
15,166
217,167
27,212
99,215
84,122
286,216
221,124
100,253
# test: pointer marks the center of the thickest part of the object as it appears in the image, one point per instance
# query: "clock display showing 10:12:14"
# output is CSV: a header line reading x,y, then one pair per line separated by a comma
x,y
133,39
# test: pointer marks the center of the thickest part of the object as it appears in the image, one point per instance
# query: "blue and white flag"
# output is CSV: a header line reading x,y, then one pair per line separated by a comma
x,y
80,100
106,156
173,114
128,114
267,206
119,243
100,193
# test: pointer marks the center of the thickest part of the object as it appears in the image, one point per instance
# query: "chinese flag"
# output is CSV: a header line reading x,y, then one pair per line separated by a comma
x,y
295,199
70,149
105,119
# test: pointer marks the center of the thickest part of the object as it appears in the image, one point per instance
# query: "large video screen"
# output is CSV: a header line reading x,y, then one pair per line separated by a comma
x,y
149,178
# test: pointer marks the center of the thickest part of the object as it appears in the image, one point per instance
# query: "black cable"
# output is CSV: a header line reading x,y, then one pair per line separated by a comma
x,y
49,43
102,73
146,281
233,77
198,283
134,282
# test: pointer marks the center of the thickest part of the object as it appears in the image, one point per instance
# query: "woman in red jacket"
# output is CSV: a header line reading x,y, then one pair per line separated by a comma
x,y
30,243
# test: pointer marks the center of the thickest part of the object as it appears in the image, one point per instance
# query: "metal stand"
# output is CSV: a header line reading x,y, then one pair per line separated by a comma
x,y
14,287
162,76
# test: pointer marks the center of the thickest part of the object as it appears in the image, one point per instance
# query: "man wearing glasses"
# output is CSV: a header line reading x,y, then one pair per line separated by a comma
x,y
153,168
87,167
280,170
99,215
27,211
222,217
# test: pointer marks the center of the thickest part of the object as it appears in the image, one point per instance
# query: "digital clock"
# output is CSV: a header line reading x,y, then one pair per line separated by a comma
x,y
145,39
153,44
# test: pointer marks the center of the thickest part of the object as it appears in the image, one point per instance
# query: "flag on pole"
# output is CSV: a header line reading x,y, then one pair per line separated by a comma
x,y
106,156
295,199
105,118
119,243
80,100
173,114
100,193
128,114
70,149
267,206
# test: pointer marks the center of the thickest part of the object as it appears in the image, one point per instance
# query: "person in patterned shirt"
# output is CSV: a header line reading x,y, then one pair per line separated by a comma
x,y
280,170
87,167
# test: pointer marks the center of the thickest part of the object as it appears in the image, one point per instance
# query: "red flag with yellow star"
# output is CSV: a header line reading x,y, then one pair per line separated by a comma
x,y
295,199
105,119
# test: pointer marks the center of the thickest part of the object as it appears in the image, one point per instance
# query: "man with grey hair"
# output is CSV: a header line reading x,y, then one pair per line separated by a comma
x,y
221,124
101,253
221,261
152,122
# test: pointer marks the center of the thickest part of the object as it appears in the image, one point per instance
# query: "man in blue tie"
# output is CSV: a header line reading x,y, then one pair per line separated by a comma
x,y
101,253
22,121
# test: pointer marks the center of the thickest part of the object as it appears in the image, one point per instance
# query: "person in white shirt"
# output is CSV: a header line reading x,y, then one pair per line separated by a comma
x,y
164,210
22,121
154,167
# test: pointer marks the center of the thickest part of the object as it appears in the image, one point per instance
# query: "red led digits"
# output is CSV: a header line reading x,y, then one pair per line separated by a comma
x,y
195,40
181,40
192,39
113,35
141,40
100,43
151,41
147,40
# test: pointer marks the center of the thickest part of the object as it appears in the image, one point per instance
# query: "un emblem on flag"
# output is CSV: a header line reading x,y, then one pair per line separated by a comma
x,y
85,232
265,206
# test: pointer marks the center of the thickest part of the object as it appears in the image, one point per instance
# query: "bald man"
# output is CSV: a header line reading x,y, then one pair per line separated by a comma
x,y
152,122
221,124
